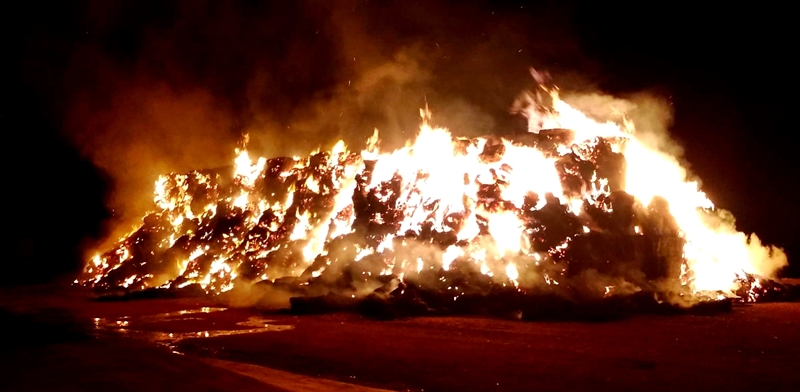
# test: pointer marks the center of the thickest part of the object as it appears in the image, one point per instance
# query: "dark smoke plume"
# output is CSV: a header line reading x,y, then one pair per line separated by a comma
x,y
172,86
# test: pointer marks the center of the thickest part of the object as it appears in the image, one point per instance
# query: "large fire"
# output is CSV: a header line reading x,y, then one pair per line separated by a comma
x,y
575,202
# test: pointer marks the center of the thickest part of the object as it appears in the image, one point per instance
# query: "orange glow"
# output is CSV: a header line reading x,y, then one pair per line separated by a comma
x,y
479,193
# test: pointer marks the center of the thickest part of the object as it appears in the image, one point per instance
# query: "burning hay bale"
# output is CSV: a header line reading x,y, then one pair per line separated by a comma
x,y
554,223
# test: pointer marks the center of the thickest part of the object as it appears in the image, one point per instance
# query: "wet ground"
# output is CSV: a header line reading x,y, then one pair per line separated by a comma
x,y
58,339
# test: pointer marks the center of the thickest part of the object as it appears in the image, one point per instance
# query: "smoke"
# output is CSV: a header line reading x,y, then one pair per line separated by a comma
x,y
266,297
652,117
762,259
149,131
386,96
172,87
769,259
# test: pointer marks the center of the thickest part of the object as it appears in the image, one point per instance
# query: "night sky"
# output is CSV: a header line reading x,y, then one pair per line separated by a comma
x,y
99,96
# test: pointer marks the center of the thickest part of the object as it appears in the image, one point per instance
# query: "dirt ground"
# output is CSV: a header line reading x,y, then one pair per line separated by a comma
x,y
56,339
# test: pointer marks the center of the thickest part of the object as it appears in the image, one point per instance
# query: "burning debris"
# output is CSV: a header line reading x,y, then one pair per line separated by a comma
x,y
575,212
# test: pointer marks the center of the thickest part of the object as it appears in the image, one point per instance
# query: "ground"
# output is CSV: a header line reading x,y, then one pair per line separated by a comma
x,y
60,339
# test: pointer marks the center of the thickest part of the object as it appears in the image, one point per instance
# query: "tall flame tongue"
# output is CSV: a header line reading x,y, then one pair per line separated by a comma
x,y
572,199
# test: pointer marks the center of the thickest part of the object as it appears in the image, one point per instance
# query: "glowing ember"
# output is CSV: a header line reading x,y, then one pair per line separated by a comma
x,y
573,197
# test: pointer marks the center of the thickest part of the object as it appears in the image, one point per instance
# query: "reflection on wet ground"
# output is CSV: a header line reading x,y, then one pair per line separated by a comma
x,y
169,329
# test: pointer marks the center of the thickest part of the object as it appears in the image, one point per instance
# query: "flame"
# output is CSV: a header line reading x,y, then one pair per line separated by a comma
x,y
512,273
433,203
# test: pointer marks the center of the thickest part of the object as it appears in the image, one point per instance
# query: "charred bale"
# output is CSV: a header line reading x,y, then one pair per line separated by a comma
x,y
493,150
610,165
549,140
554,224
